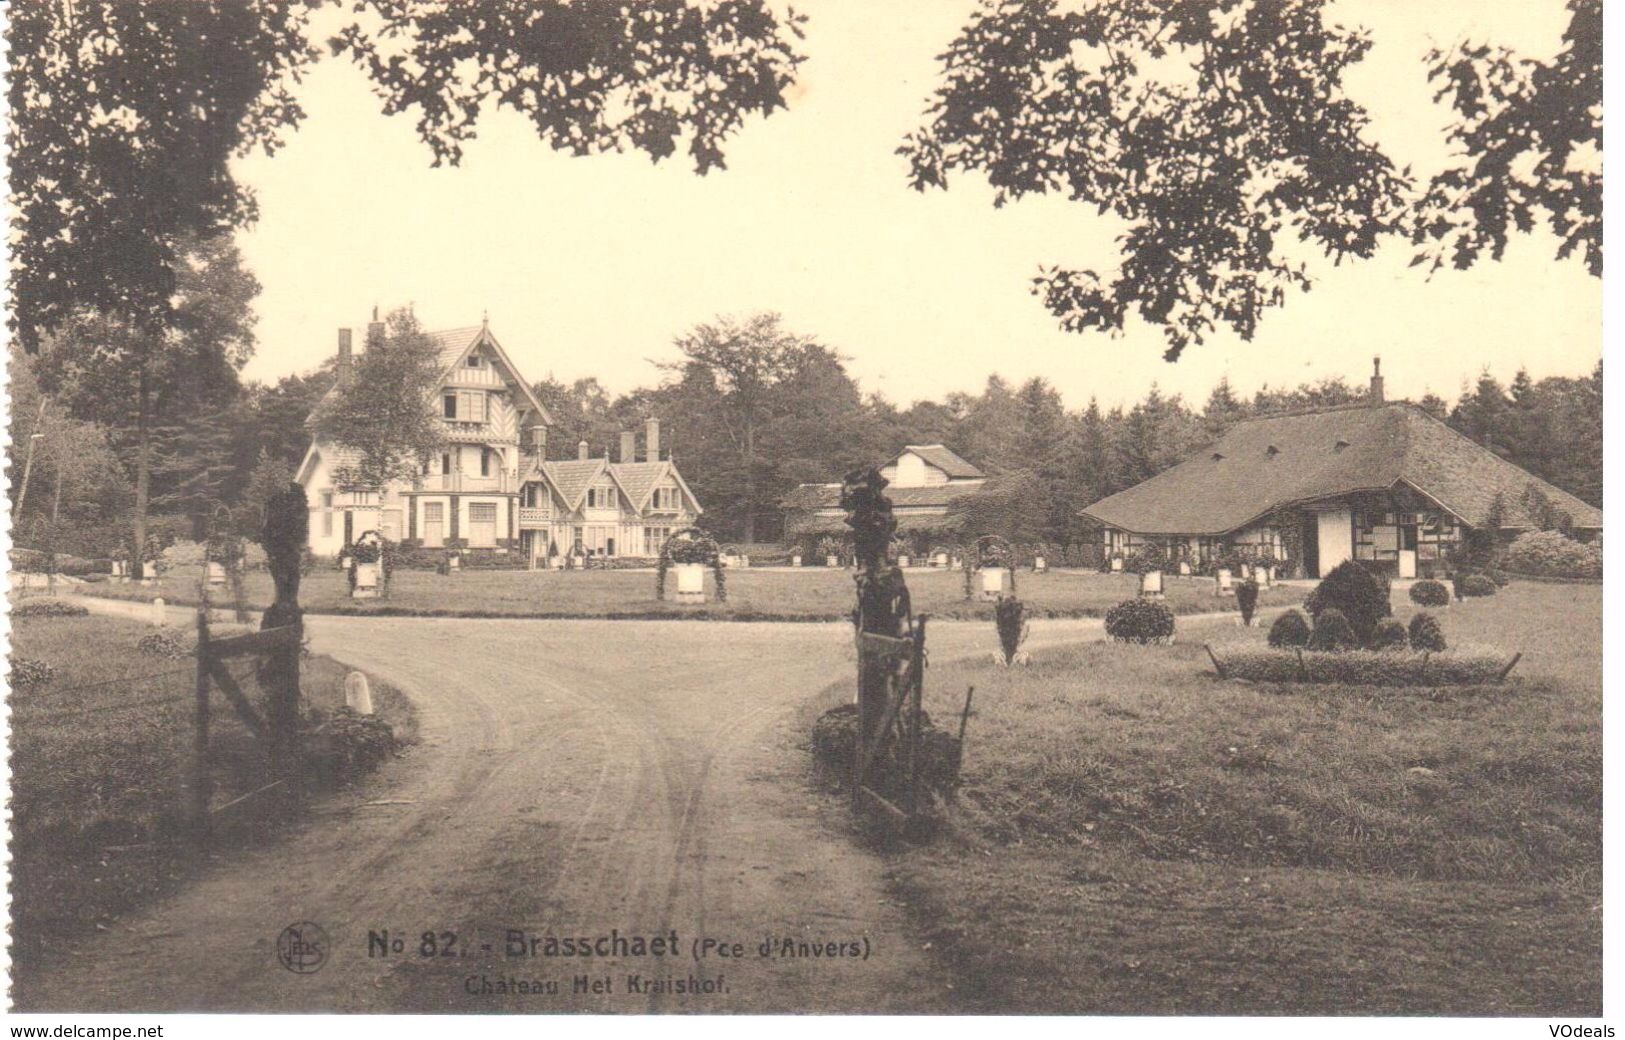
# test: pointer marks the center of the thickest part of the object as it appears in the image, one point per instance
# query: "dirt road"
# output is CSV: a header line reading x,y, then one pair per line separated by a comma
x,y
574,779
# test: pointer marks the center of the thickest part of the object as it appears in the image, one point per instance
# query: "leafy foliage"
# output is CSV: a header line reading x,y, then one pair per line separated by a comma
x,y
1529,141
1140,621
1219,132
1354,667
1333,631
1358,596
48,607
1425,632
1430,594
1247,599
1390,635
382,412
1290,629
28,671
1550,554
1474,585
1010,620
124,117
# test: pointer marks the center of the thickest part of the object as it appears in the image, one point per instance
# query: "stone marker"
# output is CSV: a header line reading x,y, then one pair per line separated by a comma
x,y
158,612
357,694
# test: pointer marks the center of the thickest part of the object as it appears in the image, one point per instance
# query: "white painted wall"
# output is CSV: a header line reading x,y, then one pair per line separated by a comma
x,y
1336,538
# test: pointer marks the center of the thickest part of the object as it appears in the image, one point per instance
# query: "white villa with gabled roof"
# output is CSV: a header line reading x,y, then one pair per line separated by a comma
x,y
491,487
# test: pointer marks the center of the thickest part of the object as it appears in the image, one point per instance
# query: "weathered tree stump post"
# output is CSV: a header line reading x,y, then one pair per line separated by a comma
x,y
201,783
286,527
882,600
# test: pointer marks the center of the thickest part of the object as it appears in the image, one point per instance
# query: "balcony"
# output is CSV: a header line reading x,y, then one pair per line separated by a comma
x,y
465,483
534,516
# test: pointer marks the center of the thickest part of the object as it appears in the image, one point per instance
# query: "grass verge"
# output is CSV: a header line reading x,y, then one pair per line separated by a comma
x,y
99,757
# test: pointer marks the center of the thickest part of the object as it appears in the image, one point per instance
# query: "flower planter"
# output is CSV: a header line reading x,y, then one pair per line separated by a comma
x,y
744,561
454,562
1265,576
1223,580
1040,565
1184,569
832,561
902,561
344,561
557,563
690,582
941,560
1117,564
795,561
995,582
366,581
1151,584
956,563
216,573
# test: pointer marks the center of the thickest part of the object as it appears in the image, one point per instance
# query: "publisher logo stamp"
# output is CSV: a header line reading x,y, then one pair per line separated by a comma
x,y
302,948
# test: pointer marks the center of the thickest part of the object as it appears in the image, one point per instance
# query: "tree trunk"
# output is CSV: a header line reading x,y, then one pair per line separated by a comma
x,y
750,480
28,466
143,474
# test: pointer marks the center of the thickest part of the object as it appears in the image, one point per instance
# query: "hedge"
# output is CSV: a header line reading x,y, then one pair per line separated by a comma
x,y
1549,554
48,607
1473,667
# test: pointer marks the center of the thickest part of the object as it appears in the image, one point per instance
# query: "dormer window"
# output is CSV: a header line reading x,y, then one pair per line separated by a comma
x,y
474,361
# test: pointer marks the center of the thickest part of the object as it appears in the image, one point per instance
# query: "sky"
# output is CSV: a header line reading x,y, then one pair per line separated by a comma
x,y
591,266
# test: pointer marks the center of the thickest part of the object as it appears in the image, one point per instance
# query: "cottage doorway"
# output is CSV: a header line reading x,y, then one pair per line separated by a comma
x,y
1407,551
1311,546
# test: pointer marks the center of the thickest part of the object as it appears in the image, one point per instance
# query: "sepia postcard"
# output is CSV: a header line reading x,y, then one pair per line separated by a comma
x,y
705,507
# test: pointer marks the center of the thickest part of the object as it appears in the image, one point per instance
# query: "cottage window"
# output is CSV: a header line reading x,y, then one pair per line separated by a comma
x,y
473,361
448,406
482,525
485,462
445,462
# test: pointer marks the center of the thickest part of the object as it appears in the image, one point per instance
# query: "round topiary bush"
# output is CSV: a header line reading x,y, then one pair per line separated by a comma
x,y
1355,593
164,643
1430,594
1390,635
1290,629
1140,621
1426,633
1333,631
1478,585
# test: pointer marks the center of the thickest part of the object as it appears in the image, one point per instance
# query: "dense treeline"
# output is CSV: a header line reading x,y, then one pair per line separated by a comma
x,y
750,411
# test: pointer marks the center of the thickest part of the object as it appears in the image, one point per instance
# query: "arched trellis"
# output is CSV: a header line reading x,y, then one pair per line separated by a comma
x,y
691,545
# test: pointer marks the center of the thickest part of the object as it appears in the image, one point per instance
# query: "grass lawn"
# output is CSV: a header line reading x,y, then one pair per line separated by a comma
x,y
1135,836
99,757
814,593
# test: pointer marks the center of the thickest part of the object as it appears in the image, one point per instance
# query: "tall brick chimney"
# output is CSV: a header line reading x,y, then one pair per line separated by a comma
x,y
1376,380
375,328
538,441
651,440
629,446
581,450
346,365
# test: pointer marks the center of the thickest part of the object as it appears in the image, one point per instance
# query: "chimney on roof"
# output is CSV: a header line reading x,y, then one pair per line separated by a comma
x,y
581,450
629,446
375,328
651,440
1376,380
538,441
346,366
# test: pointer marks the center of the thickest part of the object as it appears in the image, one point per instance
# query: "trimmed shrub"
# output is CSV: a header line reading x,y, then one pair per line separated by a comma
x,y
1477,585
1333,632
1426,634
1430,594
48,608
1355,593
1390,635
1247,599
28,671
1140,621
164,643
346,745
1365,667
835,740
1290,629
1008,619
1549,554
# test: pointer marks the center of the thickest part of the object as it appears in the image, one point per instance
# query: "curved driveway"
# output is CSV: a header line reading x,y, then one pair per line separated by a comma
x,y
574,777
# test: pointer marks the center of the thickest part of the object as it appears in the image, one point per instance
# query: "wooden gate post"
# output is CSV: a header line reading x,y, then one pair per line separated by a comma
x,y
200,730
287,526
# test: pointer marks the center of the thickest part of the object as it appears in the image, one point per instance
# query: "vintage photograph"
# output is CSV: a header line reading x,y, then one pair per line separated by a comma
x,y
645,507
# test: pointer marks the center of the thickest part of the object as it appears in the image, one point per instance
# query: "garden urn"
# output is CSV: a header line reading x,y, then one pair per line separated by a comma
x,y
1151,583
366,581
1224,580
690,582
995,582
